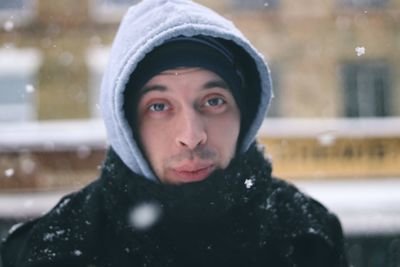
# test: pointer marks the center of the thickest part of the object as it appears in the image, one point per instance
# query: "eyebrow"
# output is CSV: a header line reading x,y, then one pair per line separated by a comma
x,y
216,83
208,85
156,87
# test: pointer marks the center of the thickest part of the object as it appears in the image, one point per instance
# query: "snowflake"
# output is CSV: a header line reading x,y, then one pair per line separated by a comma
x,y
48,237
9,172
8,26
249,183
77,252
360,50
29,88
326,139
144,215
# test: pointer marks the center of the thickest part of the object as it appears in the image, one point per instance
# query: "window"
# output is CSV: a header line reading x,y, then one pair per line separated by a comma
x,y
109,10
16,12
96,58
18,68
366,89
254,4
364,3
11,4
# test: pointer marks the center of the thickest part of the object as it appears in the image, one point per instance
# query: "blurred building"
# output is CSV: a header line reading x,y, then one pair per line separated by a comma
x,y
328,58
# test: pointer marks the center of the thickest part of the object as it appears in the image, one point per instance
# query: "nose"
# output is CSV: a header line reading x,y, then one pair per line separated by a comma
x,y
191,131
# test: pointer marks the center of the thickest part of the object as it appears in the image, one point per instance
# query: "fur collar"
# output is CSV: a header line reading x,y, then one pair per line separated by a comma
x,y
246,177
240,215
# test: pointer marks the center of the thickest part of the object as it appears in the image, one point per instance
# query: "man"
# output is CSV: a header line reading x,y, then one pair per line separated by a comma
x,y
183,183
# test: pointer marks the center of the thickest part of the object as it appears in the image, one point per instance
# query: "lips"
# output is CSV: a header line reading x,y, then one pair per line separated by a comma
x,y
193,172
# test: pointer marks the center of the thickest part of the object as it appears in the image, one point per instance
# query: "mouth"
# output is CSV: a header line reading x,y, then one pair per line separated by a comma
x,y
193,173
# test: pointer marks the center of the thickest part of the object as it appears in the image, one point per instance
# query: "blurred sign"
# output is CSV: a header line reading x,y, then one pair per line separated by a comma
x,y
333,158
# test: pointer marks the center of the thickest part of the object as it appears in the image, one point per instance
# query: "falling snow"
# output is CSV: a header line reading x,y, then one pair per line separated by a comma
x,y
29,88
144,215
326,139
249,183
49,253
360,50
9,172
312,231
77,252
8,26
48,236
51,236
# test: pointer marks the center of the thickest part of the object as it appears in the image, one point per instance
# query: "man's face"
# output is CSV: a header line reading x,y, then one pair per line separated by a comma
x,y
188,124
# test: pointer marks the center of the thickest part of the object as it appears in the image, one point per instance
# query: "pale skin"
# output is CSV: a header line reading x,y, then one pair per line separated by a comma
x,y
188,124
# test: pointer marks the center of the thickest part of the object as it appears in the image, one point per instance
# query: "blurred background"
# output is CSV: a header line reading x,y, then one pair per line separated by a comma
x,y
333,128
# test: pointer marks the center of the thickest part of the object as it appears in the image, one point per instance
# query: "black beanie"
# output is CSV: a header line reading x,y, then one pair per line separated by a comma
x,y
198,51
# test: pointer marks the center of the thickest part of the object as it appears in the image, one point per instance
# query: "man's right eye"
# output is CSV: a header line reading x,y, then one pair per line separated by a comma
x,y
158,107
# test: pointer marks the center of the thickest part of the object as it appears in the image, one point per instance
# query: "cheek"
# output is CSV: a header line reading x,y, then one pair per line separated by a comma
x,y
158,146
153,140
228,130
223,134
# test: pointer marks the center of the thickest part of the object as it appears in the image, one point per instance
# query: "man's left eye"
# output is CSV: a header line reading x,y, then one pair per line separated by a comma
x,y
216,101
158,107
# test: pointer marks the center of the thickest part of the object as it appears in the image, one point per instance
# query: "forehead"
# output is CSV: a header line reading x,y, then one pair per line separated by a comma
x,y
183,73
184,77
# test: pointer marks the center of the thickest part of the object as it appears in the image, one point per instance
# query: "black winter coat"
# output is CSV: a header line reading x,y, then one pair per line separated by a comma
x,y
239,216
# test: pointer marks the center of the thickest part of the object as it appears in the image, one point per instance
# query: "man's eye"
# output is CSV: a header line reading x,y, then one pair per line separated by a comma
x,y
158,107
213,102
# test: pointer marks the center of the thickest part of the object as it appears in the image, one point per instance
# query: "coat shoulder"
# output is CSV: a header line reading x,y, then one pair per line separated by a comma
x,y
285,193
62,233
298,211
311,233
14,242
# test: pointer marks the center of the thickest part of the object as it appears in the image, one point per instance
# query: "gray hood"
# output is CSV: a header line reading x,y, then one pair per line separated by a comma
x,y
144,27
